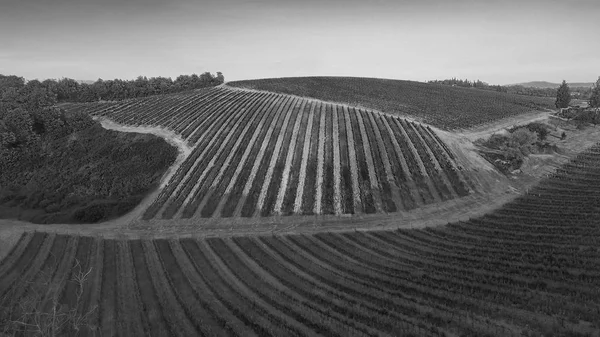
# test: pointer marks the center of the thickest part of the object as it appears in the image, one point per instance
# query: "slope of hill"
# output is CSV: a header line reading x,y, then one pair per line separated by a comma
x,y
530,268
88,176
544,84
63,167
265,154
442,106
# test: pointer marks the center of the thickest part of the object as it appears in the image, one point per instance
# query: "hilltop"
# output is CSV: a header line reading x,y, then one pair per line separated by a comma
x,y
442,106
259,154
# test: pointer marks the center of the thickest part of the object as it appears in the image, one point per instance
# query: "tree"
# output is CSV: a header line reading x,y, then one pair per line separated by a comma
x,y
563,96
220,77
595,98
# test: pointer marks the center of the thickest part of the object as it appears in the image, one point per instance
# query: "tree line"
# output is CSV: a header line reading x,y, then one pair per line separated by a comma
x,y
579,92
455,82
564,95
70,90
60,166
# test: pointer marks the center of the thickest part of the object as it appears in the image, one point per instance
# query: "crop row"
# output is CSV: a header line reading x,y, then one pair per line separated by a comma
x,y
531,263
264,154
443,106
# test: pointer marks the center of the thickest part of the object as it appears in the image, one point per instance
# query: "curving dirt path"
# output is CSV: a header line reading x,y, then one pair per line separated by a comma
x,y
10,230
494,190
172,138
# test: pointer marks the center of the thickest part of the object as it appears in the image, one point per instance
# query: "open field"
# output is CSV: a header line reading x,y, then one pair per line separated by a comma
x,y
438,105
531,266
266,154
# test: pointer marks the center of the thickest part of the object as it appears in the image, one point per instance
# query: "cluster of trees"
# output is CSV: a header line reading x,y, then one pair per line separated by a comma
x,y
25,113
579,92
564,95
595,95
507,151
70,90
58,166
469,84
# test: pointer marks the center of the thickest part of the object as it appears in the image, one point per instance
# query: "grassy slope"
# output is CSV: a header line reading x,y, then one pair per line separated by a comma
x,y
442,106
88,176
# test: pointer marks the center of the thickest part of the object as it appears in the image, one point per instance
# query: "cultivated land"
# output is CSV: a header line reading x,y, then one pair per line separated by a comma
x,y
259,154
294,216
438,105
531,266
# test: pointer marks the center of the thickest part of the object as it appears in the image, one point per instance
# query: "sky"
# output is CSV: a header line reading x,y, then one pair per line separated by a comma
x,y
496,41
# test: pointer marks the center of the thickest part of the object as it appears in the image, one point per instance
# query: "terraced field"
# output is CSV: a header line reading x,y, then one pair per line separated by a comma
x,y
529,268
259,154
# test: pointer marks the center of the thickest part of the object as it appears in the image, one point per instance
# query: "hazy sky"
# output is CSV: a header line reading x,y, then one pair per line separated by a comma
x,y
499,41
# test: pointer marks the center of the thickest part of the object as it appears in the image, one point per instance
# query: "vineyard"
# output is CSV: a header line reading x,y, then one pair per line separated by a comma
x,y
259,154
439,105
531,267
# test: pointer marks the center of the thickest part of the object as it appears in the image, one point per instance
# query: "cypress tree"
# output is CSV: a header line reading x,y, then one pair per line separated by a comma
x,y
563,96
595,98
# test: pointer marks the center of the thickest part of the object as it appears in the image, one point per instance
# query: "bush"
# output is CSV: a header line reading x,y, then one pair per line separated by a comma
x,y
508,151
92,213
522,137
539,128
96,175
496,141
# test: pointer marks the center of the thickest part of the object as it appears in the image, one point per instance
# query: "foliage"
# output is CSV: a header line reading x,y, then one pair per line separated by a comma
x,y
591,116
580,92
507,152
62,166
50,91
88,175
595,97
470,84
563,96
440,105
541,129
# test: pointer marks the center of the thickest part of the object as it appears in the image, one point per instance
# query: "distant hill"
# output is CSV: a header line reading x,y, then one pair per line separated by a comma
x,y
544,84
85,81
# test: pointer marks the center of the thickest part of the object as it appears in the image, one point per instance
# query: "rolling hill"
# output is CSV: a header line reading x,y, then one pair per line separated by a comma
x,y
265,154
529,268
262,157
442,106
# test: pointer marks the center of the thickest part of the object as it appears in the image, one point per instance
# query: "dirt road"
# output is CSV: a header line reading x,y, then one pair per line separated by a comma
x,y
494,189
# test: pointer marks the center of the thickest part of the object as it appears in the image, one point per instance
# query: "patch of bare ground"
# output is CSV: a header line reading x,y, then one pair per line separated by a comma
x,y
493,189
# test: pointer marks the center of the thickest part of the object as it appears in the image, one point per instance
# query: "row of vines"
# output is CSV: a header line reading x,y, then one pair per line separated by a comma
x,y
265,154
529,268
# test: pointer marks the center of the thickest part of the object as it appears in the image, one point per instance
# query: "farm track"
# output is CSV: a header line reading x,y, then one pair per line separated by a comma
x,y
516,270
195,190
421,167
528,267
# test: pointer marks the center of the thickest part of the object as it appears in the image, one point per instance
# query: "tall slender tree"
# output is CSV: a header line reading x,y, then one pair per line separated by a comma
x,y
595,98
563,95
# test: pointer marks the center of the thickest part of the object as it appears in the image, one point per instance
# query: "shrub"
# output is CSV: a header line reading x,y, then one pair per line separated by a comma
x,y
522,137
